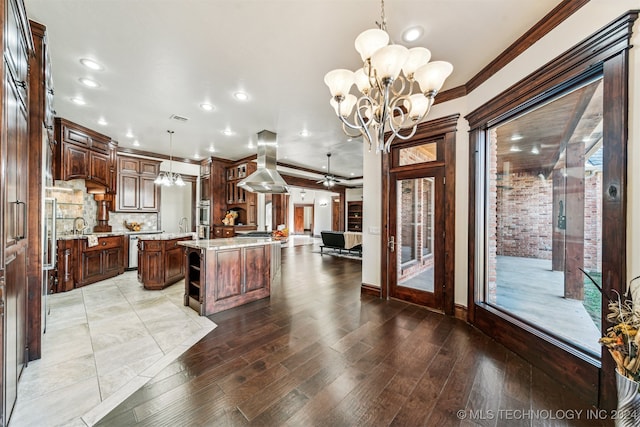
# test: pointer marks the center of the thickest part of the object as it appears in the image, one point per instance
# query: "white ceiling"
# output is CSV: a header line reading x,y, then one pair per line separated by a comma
x,y
165,57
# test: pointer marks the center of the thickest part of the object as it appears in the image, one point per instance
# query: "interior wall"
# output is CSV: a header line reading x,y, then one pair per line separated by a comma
x,y
591,17
176,203
372,216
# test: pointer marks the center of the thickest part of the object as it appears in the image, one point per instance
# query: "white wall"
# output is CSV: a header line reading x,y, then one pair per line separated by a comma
x,y
591,17
175,203
371,216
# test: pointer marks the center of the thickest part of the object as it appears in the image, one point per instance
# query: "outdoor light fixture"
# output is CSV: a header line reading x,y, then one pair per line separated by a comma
x,y
397,85
169,178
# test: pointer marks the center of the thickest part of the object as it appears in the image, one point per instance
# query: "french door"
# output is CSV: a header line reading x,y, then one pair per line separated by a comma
x,y
415,248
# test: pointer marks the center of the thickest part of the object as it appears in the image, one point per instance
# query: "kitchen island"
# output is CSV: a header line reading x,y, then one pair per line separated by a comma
x,y
160,259
224,273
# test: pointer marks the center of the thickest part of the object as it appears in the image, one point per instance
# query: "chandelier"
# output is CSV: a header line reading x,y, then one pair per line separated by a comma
x,y
169,178
398,87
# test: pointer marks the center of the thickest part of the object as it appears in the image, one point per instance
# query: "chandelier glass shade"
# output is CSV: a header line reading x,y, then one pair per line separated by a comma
x,y
169,178
397,88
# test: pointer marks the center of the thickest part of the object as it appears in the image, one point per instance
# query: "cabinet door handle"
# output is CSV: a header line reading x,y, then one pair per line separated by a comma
x,y
21,84
51,92
104,243
24,221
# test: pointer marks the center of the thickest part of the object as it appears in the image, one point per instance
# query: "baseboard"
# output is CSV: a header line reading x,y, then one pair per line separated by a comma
x,y
460,312
370,290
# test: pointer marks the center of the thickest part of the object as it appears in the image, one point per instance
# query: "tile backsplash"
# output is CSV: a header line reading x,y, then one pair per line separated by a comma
x,y
149,221
74,201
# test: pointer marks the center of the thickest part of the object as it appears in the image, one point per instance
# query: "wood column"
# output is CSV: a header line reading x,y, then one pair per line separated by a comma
x,y
574,233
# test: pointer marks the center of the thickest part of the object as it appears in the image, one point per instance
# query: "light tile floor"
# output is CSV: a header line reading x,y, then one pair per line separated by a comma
x,y
102,343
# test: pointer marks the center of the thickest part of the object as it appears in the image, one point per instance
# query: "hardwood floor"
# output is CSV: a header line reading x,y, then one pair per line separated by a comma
x,y
320,353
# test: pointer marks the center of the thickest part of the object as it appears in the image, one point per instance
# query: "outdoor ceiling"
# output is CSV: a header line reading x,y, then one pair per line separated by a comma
x,y
536,141
167,57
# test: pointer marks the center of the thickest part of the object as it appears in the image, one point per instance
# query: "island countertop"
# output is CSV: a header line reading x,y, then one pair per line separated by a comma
x,y
166,236
229,243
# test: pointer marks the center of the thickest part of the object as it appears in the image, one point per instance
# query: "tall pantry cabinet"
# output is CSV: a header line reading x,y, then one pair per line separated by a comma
x,y
16,46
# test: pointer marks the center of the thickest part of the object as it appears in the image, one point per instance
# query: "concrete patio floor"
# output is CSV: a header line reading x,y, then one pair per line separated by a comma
x,y
527,288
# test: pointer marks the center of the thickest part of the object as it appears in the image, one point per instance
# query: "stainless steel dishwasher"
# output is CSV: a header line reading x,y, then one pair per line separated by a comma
x,y
133,247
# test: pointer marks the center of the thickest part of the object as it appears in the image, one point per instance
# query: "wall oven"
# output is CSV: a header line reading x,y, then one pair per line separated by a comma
x,y
204,212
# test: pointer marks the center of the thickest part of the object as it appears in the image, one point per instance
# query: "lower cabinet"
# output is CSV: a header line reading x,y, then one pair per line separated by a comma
x,y
160,262
223,231
102,261
80,265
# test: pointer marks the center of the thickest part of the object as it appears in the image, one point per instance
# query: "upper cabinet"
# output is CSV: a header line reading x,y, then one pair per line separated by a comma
x,y
82,153
137,191
238,199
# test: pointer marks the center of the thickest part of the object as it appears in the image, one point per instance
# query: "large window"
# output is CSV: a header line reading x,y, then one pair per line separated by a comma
x,y
543,219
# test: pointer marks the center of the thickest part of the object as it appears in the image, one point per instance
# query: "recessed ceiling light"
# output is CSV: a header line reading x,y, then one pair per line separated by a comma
x,y
91,64
136,143
516,137
241,96
78,101
212,150
349,139
227,132
250,145
102,122
206,106
129,134
535,150
412,34
88,82
304,133
352,173
196,156
324,167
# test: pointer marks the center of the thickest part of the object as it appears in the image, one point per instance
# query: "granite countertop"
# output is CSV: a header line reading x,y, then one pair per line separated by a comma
x,y
166,236
229,243
106,234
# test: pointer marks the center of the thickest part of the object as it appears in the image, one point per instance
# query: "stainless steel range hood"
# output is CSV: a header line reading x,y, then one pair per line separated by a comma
x,y
266,179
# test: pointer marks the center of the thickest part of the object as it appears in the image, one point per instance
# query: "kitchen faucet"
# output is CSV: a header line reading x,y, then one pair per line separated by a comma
x,y
76,229
182,224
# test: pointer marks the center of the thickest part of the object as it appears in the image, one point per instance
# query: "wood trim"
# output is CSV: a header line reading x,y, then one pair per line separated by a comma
x,y
297,181
451,94
36,115
557,74
305,169
122,150
443,128
614,205
606,53
368,289
559,361
460,312
543,27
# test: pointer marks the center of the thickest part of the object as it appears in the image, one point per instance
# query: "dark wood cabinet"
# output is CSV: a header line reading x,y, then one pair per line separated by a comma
x,y
66,261
354,216
137,191
160,262
221,278
238,199
14,200
76,162
84,154
100,262
223,231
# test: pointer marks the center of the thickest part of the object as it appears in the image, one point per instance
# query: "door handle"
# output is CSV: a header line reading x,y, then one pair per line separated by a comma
x,y
392,243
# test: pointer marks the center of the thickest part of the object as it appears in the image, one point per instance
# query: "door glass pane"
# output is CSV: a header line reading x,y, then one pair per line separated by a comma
x,y
414,233
544,205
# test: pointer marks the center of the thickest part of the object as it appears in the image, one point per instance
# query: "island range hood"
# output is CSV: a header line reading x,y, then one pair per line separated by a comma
x,y
266,179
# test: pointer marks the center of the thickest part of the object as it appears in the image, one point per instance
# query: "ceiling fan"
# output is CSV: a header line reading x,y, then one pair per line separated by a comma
x,y
328,180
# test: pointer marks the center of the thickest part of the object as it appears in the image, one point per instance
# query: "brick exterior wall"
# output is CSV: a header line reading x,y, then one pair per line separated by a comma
x,y
525,223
